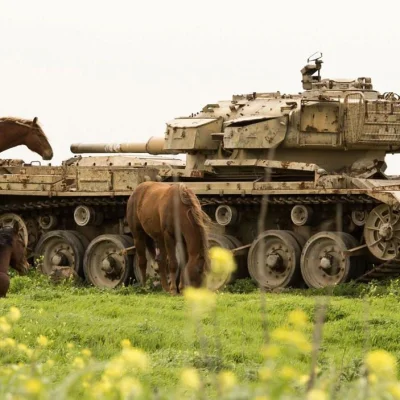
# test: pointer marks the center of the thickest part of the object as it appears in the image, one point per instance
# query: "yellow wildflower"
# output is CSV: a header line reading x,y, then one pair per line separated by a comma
x,y
298,318
372,379
9,342
287,372
316,394
293,338
261,397
190,378
265,373
394,390
114,367
5,327
226,380
14,314
70,345
270,351
303,379
33,386
222,261
42,340
126,343
136,358
102,387
86,352
78,362
200,300
50,363
130,387
382,363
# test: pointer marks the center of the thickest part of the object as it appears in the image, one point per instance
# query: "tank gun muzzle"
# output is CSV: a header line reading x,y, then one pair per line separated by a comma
x,y
154,146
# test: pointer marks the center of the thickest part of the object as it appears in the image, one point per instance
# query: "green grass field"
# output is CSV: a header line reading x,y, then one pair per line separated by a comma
x,y
229,339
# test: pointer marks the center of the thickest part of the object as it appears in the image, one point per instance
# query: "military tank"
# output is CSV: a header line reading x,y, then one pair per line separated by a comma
x,y
315,161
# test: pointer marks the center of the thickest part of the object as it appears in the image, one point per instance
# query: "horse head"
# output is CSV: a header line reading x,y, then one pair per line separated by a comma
x,y
196,270
38,142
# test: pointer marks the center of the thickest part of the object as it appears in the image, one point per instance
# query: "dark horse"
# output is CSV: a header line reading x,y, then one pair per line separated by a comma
x,y
16,131
12,253
155,213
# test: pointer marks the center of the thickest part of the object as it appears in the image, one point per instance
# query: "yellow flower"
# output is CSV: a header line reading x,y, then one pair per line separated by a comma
x,y
288,372
394,390
316,394
24,348
50,363
382,363
222,261
5,327
126,343
270,351
33,386
298,318
42,340
136,358
86,352
130,387
114,367
190,378
78,362
261,398
226,380
200,300
265,373
372,379
303,379
70,345
293,338
14,314
9,342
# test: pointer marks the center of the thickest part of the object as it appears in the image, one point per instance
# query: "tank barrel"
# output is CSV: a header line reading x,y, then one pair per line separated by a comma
x,y
155,145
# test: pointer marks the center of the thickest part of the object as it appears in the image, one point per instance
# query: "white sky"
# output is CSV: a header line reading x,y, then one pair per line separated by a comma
x,y
96,71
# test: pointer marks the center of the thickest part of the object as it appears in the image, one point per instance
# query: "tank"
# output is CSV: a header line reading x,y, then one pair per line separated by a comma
x,y
295,183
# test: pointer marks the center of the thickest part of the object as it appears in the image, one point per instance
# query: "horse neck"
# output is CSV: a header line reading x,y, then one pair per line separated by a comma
x,y
12,134
5,257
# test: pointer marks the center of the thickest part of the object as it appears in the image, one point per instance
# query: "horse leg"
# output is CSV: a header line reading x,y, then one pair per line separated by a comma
x,y
173,262
140,244
162,265
4,284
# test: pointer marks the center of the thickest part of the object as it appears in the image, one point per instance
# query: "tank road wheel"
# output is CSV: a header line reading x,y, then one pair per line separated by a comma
x,y
61,249
218,281
10,220
104,265
323,262
273,259
382,232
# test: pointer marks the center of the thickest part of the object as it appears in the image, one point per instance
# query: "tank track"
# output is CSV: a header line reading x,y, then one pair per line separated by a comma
x,y
385,270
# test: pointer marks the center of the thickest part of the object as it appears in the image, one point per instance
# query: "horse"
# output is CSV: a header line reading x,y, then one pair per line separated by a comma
x,y
17,131
12,253
158,214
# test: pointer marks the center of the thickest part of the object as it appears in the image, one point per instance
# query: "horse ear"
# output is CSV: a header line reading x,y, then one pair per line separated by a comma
x,y
34,121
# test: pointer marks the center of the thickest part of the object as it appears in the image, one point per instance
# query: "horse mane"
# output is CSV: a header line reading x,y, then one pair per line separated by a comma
x,y
24,122
6,237
200,218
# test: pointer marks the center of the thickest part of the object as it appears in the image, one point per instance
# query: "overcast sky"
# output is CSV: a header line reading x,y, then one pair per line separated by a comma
x,y
96,71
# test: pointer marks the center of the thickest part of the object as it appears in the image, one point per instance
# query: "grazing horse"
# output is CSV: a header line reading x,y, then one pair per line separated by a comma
x,y
17,131
158,214
12,253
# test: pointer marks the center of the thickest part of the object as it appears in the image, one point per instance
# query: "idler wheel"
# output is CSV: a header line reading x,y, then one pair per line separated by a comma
x,y
382,233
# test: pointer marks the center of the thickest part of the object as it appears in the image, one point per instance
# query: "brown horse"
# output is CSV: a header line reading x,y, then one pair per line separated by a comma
x,y
12,253
158,214
17,131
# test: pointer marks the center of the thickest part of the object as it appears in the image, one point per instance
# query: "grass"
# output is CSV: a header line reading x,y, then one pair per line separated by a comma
x,y
359,318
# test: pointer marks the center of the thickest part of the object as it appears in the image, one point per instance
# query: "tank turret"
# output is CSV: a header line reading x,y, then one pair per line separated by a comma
x,y
336,124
